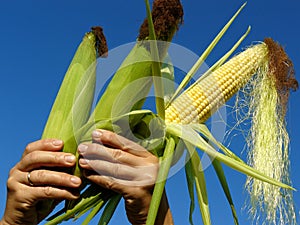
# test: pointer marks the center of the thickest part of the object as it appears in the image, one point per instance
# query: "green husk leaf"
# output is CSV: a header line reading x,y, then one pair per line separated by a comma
x,y
165,164
135,67
93,213
167,72
200,183
91,196
202,129
191,136
191,182
223,59
220,173
109,210
60,120
156,66
110,124
205,54
62,108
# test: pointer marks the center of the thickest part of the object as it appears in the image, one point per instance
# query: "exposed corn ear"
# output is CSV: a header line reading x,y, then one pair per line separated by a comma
x,y
206,53
197,104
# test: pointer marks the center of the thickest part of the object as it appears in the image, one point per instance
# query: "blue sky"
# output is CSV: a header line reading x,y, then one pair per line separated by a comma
x,y
39,38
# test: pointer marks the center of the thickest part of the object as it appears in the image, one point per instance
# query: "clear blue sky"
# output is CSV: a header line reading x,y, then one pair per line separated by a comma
x,y
39,38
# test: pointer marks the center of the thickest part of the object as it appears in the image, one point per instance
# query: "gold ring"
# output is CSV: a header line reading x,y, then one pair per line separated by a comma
x,y
28,178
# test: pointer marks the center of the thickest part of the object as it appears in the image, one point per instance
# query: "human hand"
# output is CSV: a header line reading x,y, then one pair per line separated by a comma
x,y
33,179
125,167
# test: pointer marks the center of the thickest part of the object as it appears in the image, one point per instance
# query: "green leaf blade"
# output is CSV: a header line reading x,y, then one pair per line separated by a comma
x,y
163,172
200,183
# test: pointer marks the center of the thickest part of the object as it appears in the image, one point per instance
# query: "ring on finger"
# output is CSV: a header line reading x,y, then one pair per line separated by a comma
x,y
29,180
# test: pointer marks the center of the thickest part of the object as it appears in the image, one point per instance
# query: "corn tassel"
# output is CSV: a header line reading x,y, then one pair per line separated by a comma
x,y
198,103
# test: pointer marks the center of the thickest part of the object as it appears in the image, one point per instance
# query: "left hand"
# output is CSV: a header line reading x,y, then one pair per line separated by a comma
x,y
123,166
36,178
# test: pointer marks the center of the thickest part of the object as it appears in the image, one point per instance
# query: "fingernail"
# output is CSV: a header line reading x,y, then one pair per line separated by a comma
x,y
82,148
96,133
76,180
70,158
57,142
83,161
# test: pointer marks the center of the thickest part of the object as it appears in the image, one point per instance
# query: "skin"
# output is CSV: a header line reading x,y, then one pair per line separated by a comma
x,y
111,161
127,168
23,200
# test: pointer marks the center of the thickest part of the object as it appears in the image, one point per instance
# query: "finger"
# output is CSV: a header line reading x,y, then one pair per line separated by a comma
x,y
114,184
53,178
113,140
100,152
107,182
44,145
105,168
49,192
38,159
141,175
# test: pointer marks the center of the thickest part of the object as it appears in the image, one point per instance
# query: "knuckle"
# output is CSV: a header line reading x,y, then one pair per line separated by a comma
x,y
126,147
12,171
47,191
92,148
116,170
109,136
58,158
109,184
117,154
32,157
46,143
39,174
28,148
11,183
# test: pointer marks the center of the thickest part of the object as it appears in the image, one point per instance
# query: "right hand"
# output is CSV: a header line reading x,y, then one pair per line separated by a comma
x,y
40,159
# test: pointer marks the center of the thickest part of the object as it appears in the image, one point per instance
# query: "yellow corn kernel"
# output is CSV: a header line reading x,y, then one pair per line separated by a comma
x,y
198,103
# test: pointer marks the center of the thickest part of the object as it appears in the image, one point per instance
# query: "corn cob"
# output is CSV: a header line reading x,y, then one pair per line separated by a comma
x,y
137,66
72,105
73,102
268,140
198,103
60,120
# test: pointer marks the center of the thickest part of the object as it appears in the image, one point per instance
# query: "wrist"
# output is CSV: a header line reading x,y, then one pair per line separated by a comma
x,y
3,222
